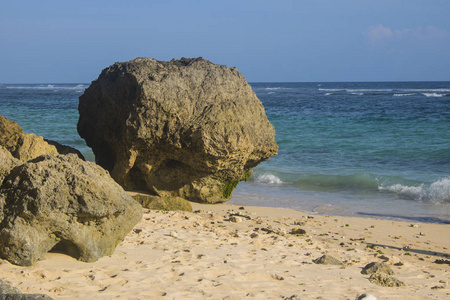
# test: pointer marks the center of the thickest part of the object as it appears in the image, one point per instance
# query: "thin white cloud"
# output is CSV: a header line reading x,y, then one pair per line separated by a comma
x,y
380,36
429,33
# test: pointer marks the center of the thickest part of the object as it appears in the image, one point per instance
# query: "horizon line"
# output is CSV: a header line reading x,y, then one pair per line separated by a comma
x,y
250,82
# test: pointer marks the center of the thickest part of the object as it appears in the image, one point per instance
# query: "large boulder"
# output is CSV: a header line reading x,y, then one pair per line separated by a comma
x,y
187,128
63,203
28,146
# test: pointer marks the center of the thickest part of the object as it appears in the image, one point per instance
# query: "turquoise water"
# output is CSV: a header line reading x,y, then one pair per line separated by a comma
x,y
369,149
48,110
357,148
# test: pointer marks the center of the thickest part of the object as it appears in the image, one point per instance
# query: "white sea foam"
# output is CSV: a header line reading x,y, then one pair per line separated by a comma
x,y
332,90
368,90
328,94
426,90
276,88
358,94
403,95
437,192
357,90
268,178
79,87
398,91
433,95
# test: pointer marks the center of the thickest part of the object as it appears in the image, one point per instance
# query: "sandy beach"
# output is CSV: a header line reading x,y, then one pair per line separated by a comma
x,y
230,252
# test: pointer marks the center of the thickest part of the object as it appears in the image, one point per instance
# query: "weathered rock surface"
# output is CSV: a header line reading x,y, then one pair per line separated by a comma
x,y
377,267
65,203
185,128
28,146
163,203
7,163
8,292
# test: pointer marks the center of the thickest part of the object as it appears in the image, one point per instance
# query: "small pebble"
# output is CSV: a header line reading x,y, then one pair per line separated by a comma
x,y
235,219
297,231
366,297
254,235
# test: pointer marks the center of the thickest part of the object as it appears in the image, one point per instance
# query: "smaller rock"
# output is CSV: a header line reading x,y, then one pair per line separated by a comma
x,y
168,203
254,235
173,234
235,219
328,260
383,279
29,146
377,267
366,297
7,289
65,204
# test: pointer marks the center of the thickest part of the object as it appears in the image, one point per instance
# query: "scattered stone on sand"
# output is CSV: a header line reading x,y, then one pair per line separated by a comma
x,y
240,214
383,279
297,231
328,260
442,261
163,203
377,267
64,203
366,297
254,235
186,128
28,146
8,292
235,219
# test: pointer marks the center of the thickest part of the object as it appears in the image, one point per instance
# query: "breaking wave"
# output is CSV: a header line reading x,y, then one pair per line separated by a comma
x,y
363,183
437,192
268,178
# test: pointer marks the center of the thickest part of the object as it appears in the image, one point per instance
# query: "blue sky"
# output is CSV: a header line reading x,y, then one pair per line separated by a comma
x,y
297,41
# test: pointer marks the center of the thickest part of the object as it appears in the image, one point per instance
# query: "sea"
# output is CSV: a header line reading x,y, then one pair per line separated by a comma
x,y
364,149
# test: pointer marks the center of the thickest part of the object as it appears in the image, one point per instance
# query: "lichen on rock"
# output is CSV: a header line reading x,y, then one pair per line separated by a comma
x,y
186,128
